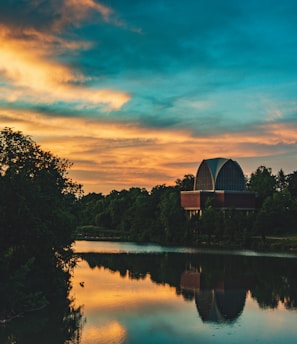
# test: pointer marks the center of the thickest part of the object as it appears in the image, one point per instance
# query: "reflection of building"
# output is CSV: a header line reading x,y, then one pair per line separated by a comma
x,y
190,280
222,301
221,180
220,306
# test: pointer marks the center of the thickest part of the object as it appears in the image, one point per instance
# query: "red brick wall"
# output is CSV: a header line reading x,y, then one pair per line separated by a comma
x,y
190,200
196,200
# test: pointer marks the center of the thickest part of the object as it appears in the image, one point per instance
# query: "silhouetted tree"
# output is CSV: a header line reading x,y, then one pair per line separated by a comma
x,y
186,184
263,182
292,184
36,223
281,180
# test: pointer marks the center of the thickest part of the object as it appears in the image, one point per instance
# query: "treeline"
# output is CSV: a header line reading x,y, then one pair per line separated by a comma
x,y
137,214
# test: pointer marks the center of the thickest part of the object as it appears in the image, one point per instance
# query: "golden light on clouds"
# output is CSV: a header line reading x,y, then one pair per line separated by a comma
x,y
74,11
109,155
131,102
27,64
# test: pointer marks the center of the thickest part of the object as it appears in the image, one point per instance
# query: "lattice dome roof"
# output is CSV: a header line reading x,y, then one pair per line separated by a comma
x,y
219,174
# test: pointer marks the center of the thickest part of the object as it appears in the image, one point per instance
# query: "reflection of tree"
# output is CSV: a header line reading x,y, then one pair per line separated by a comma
x,y
276,282
61,323
227,277
162,269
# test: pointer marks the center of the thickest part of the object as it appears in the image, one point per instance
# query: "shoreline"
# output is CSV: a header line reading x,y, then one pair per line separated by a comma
x,y
257,244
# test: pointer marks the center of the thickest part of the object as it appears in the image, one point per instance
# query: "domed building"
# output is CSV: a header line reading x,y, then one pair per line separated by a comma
x,y
222,180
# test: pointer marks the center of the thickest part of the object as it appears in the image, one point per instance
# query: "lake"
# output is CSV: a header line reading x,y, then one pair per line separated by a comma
x,y
130,293
152,294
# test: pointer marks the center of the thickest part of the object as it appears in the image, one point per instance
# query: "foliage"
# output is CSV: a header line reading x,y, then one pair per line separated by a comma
x,y
281,180
277,208
36,222
186,184
263,182
277,215
292,183
140,215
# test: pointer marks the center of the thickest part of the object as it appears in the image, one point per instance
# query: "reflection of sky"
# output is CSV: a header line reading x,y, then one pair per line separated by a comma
x,y
120,310
137,93
132,305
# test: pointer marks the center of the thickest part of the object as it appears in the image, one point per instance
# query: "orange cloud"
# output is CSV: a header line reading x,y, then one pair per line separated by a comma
x,y
110,155
74,11
31,73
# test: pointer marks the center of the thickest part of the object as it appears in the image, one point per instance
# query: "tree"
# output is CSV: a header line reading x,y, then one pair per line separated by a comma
x,y
37,221
186,184
172,216
276,216
263,182
88,206
281,180
292,184
208,219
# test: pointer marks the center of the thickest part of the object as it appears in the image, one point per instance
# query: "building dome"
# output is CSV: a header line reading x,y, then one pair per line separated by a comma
x,y
219,174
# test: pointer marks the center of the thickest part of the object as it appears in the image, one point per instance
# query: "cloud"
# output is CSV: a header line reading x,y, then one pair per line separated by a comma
x,y
55,15
30,72
115,155
73,12
138,93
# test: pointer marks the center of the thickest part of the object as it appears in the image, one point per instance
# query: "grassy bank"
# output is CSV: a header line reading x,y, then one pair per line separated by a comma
x,y
269,243
90,232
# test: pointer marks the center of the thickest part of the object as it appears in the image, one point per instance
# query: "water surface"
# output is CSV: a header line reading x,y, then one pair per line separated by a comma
x,y
151,294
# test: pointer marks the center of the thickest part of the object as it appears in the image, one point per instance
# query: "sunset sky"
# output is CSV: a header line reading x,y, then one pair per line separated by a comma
x,y
138,92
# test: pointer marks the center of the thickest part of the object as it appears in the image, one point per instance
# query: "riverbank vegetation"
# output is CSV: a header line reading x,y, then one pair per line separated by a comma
x,y
36,226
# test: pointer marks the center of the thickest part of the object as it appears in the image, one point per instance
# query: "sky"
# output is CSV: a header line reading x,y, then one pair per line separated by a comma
x,y
137,93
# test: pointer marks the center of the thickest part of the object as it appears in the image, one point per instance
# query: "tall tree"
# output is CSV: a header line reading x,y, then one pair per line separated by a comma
x,y
292,184
172,216
36,223
276,216
186,184
263,182
281,180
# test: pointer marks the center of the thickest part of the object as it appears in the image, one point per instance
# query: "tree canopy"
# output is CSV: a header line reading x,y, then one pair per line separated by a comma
x,y
36,222
263,182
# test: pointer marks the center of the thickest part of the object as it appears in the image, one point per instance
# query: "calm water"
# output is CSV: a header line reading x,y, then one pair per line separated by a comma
x,y
149,294
132,293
